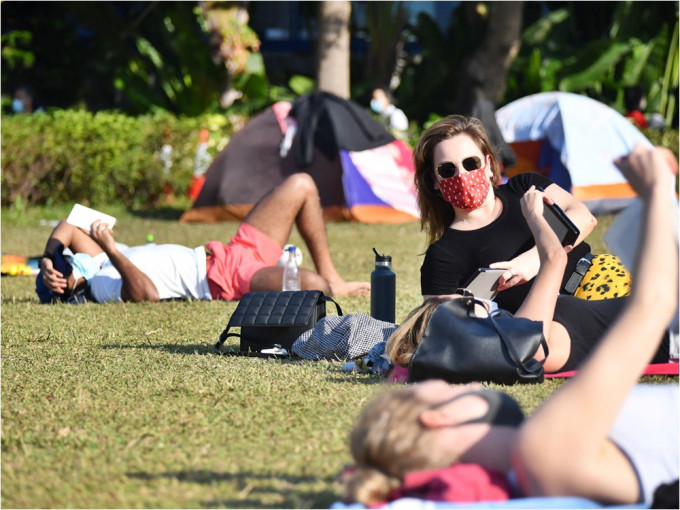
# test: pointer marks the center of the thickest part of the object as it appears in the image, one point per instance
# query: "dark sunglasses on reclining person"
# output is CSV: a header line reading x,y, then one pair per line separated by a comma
x,y
448,169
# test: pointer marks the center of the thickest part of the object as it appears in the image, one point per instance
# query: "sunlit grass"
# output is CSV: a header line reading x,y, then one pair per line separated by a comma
x,y
125,406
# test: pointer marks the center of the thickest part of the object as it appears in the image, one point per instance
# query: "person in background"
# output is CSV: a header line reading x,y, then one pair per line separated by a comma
x,y
600,436
23,100
382,103
217,271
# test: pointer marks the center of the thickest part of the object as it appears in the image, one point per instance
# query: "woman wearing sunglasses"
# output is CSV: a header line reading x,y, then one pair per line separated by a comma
x,y
474,221
600,436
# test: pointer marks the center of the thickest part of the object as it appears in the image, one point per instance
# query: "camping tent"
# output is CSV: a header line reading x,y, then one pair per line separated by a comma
x,y
573,140
363,173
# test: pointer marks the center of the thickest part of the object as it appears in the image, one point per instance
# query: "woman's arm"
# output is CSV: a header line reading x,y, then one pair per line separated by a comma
x,y
574,209
539,304
563,448
525,266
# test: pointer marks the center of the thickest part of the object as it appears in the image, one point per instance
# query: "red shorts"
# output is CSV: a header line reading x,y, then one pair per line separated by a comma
x,y
230,267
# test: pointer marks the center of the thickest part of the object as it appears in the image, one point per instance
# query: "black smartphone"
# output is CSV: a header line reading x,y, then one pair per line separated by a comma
x,y
565,229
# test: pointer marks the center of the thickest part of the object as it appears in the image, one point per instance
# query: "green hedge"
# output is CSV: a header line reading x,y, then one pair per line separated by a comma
x,y
69,156
103,158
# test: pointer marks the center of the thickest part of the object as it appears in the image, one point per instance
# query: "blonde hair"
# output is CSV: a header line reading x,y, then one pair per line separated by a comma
x,y
388,441
401,344
435,213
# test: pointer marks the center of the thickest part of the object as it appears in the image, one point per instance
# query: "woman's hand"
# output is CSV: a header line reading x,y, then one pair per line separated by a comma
x,y
532,204
525,266
53,279
519,270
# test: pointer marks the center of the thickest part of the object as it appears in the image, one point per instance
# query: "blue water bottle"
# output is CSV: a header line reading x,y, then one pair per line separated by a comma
x,y
383,289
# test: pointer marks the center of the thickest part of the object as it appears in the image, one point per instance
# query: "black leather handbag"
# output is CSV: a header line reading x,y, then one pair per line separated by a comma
x,y
460,347
272,321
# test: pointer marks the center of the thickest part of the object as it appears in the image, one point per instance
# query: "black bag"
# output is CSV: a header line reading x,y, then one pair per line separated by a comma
x,y
459,347
273,320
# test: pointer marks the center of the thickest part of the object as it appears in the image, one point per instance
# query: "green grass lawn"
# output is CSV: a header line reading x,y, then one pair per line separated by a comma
x,y
125,406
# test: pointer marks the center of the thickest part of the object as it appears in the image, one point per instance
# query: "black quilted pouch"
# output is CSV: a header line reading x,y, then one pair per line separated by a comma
x,y
272,321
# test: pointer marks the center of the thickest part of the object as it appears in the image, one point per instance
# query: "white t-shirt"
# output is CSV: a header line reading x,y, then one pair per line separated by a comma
x,y
646,430
397,118
176,271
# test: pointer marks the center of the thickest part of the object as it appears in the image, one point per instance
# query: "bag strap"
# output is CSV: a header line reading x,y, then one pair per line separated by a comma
x,y
223,338
511,348
337,306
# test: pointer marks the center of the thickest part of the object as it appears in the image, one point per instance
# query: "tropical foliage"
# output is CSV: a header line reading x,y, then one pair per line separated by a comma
x,y
140,57
637,45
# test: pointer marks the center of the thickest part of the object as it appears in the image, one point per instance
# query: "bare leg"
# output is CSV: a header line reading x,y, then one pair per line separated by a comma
x,y
270,278
296,201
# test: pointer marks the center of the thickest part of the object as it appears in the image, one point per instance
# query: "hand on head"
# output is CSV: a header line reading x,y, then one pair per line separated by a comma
x,y
53,279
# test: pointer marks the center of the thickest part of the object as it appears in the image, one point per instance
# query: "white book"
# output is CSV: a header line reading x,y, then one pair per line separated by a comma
x,y
83,217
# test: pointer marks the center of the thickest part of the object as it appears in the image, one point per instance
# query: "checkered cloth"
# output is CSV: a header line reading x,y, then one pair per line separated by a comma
x,y
342,337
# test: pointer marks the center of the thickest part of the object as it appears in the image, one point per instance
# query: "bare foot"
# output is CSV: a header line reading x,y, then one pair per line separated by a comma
x,y
343,289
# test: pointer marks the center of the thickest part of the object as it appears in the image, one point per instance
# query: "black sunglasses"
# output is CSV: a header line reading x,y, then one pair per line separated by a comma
x,y
448,169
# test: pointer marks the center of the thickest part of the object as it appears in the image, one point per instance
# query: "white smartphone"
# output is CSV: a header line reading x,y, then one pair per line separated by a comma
x,y
83,217
483,282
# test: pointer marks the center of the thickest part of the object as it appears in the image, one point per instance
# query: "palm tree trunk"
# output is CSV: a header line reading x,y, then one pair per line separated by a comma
x,y
333,48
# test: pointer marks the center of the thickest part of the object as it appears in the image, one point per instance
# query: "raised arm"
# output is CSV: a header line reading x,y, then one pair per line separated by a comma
x,y
539,304
526,265
562,448
137,286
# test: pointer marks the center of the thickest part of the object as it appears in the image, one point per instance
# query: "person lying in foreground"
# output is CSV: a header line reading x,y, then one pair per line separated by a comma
x,y
601,436
216,271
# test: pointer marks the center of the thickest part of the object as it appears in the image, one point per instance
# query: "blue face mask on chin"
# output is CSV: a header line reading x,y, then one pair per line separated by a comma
x,y
17,106
376,106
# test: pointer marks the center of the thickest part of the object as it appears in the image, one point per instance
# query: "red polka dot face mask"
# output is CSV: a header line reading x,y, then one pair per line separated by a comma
x,y
466,190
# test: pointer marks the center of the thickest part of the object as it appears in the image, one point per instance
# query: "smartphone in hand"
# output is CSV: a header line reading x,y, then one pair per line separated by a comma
x,y
565,229
483,282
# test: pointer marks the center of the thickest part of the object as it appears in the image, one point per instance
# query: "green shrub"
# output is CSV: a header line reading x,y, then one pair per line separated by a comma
x,y
667,138
68,156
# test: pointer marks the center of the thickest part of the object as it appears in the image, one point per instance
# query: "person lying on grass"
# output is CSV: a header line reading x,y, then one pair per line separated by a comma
x,y
572,327
216,271
600,436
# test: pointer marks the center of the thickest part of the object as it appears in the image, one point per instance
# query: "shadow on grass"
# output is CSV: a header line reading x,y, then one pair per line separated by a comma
x,y
367,379
251,484
201,349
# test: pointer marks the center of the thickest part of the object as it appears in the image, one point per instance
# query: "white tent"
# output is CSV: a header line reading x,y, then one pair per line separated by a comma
x,y
573,140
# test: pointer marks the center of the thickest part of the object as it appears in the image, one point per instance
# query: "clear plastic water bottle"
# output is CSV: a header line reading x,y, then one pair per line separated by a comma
x,y
383,289
291,271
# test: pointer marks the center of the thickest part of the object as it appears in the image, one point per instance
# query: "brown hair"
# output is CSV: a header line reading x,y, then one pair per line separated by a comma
x,y
388,441
435,213
401,344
